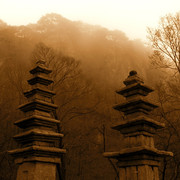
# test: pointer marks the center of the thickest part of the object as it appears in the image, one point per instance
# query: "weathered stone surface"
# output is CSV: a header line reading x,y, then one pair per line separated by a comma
x,y
36,171
35,121
37,104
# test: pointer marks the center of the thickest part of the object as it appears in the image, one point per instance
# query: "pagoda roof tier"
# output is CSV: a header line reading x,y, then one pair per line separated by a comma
x,y
54,160
140,150
37,104
41,80
37,151
37,135
138,124
40,69
135,105
43,92
135,89
36,120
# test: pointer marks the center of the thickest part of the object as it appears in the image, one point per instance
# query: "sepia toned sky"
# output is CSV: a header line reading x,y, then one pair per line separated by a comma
x,y
129,16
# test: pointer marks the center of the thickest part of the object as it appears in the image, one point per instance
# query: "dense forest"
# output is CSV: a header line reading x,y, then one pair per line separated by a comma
x,y
89,64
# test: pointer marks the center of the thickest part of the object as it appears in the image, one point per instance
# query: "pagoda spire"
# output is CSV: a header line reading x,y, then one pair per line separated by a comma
x,y
39,154
138,159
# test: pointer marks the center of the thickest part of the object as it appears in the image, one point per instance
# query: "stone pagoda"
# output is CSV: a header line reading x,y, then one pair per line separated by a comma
x,y
39,154
138,159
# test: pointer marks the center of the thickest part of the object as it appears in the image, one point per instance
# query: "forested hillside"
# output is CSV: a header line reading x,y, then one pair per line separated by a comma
x,y
89,64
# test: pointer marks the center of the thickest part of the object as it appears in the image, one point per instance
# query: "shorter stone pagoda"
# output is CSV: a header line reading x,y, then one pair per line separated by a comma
x,y
39,154
138,159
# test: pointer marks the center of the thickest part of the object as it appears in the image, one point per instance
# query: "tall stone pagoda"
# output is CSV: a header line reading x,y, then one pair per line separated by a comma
x,y
138,159
39,154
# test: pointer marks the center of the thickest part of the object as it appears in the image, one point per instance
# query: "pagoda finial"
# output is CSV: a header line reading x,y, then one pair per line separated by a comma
x,y
133,78
132,73
41,62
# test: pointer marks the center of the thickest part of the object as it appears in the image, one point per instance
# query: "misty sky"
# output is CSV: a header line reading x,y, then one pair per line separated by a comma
x,y
130,16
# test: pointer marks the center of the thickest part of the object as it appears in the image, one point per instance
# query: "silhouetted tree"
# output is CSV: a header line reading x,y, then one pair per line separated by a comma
x,y
165,41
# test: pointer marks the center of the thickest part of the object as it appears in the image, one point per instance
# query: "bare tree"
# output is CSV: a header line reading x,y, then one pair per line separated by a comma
x,y
71,90
165,41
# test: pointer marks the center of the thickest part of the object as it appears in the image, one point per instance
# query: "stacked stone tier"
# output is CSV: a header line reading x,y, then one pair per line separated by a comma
x,y
37,121
38,153
38,137
138,124
135,89
40,69
40,92
135,105
39,79
37,104
138,156
136,151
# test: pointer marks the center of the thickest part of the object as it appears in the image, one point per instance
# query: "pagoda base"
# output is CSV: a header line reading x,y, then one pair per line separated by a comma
x,y
138,163
37,162
143,172
37,171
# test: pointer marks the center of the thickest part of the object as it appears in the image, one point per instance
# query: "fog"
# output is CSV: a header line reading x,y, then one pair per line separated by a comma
x,y
89,63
